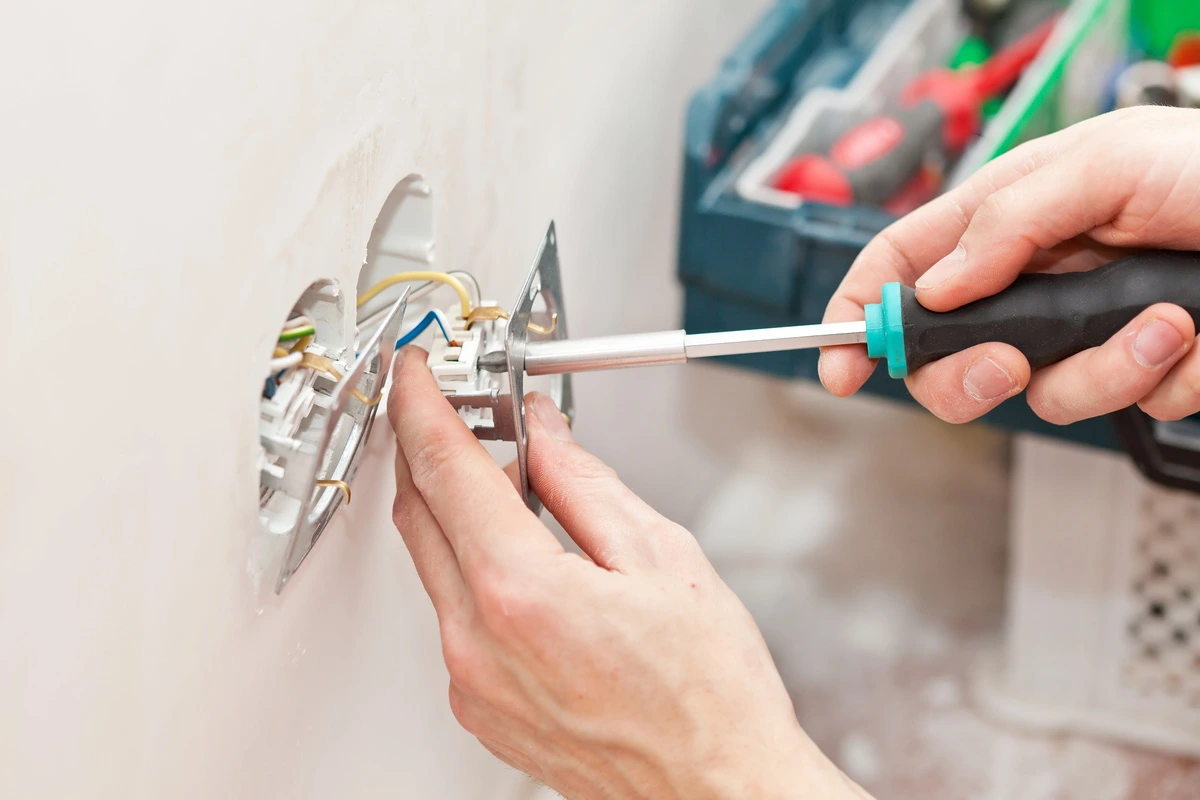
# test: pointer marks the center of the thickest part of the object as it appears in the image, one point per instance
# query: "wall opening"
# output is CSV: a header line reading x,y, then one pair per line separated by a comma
x,y
318,402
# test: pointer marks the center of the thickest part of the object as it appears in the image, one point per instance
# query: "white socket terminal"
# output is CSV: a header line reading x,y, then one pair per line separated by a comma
x,y
456,369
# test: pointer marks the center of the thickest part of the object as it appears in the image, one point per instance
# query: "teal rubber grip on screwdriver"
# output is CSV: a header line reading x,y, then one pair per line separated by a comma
x,y
885,330
1046,317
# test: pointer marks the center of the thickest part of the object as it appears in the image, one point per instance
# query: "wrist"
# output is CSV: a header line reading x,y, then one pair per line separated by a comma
x,y
799,772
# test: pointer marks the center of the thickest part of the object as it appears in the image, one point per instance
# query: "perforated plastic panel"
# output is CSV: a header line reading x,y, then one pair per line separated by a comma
x,y
1103,635
1162,659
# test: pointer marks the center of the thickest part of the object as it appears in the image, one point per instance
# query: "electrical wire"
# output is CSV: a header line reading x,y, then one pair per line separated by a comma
x,y
345,487
370,321
296,333
325,365
284,363
419,328
428,287
410,277
469,278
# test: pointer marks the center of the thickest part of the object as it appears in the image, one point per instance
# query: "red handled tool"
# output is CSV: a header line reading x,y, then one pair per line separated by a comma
x,y
894,160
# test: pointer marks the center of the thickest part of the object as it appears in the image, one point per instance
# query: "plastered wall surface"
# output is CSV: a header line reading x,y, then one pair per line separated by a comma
x,y
173,177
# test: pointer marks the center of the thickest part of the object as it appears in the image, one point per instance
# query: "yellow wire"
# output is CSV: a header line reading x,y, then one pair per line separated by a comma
x,y
409,277
345,487
325,365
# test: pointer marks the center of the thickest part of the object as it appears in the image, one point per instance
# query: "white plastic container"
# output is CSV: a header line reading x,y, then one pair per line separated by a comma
x,y
1103,628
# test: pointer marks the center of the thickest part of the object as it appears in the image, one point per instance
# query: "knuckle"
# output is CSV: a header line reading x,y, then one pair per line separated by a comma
x,y
1048,407
1113,389
463,710
959,214
1189,380
887,241
588,474
956,413
464,660
941,398
431,460
509,604
1048,401
591,469
1045,405
674,544
1176,399
993,209
1003,210
575,477
404,510
1161,410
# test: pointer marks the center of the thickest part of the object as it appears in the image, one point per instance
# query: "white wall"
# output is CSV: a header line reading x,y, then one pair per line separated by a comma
x,y
173,177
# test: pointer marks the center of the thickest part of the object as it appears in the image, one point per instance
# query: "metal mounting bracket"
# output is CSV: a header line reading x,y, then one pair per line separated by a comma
x,y
503,406
336,447
545,280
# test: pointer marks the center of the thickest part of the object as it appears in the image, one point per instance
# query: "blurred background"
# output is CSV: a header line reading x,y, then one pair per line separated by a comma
x,y
176,177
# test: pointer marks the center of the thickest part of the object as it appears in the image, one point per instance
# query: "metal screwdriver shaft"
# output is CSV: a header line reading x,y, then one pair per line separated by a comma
x,y
769,340
1047,317
672,347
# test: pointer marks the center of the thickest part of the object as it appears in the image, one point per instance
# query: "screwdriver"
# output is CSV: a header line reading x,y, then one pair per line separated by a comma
x,y
1046,317
883,161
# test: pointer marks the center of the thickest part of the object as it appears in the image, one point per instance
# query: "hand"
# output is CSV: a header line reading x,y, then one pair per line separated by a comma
x,y
1063,203
631,673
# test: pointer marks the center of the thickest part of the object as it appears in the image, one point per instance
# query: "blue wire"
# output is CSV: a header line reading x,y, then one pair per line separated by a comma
x,y
420,328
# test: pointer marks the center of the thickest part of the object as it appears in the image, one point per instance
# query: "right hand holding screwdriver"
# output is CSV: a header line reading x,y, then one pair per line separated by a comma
x,y
1068,202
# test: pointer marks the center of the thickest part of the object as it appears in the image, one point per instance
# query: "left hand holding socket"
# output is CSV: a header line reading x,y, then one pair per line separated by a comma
x,y
633,672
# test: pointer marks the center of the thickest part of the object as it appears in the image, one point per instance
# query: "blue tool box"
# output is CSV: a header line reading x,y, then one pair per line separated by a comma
x,y
747,261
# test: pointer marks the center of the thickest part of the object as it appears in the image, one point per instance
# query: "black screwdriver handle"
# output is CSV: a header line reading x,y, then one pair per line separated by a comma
x,y
1051,317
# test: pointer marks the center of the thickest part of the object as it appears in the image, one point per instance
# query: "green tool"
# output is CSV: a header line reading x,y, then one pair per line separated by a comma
x,y
973,52
1157,23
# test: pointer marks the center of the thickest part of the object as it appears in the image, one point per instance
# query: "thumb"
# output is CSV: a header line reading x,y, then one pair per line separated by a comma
x,y
599,512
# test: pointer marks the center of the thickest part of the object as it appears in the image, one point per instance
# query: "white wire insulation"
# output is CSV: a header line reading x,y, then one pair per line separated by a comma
x,y
285,362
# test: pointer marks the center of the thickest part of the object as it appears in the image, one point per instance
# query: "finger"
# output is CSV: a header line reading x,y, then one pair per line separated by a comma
x,y
1097,187
1117,374
1078,255
513,471
608,521
906,249
967,385
472,500
1178,395
432,555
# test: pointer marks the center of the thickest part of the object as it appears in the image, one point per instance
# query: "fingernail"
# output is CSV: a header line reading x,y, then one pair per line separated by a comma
x,y
552,419
944,270
986,381
1157,342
